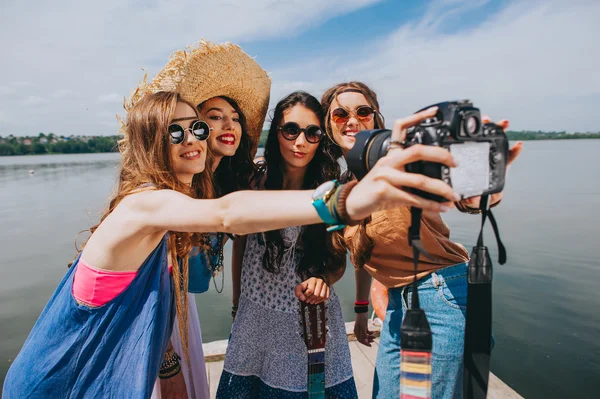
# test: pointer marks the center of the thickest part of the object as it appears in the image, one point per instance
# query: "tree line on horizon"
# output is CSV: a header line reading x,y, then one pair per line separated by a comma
x,y
53,144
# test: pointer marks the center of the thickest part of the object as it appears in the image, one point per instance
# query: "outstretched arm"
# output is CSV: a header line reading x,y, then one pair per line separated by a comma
x,y
134,228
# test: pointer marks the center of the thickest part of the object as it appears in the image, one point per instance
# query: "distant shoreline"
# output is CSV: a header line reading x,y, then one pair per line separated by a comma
x,y
21,146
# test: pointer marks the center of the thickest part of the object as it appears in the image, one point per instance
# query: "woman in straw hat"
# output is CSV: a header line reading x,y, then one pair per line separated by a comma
x,y
266,355
110,343
230,90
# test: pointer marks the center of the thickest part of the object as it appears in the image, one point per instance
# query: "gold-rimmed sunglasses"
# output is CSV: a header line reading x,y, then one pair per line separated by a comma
x,y
363,114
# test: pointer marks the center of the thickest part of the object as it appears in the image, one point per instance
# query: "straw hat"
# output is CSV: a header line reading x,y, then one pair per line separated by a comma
x,y
207,70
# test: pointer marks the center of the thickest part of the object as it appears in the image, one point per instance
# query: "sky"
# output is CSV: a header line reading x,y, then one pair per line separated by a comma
x,y
67,65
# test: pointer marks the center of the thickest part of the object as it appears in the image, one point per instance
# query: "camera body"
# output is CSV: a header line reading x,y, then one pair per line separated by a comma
x,y
480,149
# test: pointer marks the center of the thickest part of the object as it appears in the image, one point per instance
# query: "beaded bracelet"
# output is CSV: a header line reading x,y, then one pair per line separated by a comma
x,y
340,204
170,367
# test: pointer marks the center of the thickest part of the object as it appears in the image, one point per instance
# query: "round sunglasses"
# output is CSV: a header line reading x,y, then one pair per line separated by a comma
x,y
363,114
199,129
291,131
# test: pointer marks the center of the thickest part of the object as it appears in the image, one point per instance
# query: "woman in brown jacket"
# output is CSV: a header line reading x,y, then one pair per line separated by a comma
x,y
379,248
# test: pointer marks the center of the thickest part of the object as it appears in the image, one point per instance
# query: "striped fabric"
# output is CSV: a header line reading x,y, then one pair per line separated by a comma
x,y
415,375
316,373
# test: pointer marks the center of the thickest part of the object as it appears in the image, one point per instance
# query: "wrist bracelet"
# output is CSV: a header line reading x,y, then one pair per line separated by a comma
x,y
170,367
361,309
172,372
361,303
340,204
331,206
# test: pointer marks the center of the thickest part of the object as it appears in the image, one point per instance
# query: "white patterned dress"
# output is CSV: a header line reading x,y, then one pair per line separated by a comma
x,y
266,356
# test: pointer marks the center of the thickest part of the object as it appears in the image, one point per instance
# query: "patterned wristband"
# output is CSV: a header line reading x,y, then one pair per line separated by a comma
x,y
340,204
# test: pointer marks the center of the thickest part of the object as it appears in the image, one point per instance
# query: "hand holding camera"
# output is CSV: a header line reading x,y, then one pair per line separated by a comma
x,y
479,147
390,170
513,153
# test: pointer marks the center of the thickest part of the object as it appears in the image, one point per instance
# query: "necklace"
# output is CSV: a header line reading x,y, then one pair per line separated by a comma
x,y
215,268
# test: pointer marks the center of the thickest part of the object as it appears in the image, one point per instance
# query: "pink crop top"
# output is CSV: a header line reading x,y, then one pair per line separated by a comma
x,y
96,287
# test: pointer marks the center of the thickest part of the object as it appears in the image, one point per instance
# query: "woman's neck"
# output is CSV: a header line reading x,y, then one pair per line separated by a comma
x,y
216,161
186,179
293,178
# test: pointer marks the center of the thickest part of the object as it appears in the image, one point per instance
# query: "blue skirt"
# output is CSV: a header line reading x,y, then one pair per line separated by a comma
x,y
250,387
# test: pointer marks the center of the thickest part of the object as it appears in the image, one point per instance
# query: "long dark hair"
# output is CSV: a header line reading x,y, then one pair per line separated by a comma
x,y
234,172
319,256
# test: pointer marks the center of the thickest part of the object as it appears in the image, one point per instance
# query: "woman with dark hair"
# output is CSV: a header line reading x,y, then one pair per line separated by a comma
x,y
266,356
230,143
379,247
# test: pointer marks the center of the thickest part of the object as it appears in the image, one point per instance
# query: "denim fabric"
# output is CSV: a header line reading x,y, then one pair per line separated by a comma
x,y
199,274
112,351
443,296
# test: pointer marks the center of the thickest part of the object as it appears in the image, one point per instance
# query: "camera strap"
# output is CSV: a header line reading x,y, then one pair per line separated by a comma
x,y
478,324
415,333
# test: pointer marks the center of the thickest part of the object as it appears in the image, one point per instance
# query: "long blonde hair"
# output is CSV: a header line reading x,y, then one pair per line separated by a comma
x,y
360,244
146,160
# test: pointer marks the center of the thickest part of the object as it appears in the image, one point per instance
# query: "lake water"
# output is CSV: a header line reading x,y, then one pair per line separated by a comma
x,y
546,297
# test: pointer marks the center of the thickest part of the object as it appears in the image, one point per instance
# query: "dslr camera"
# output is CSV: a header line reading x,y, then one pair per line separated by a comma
x,y
480,149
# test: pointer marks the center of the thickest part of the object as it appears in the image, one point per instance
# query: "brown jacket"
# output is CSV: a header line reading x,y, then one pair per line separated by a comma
x,y
391,262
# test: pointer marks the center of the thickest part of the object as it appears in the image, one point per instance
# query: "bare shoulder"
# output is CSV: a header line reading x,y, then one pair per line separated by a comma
x,y
125,237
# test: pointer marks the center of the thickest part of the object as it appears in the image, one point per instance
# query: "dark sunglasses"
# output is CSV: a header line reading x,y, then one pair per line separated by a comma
x,y
363,114
291,131
199,129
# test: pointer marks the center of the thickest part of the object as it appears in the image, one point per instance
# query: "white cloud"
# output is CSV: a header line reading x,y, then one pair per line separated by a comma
x,y
95,48
65,93
534,63
111,98
21,83
34,101
4,91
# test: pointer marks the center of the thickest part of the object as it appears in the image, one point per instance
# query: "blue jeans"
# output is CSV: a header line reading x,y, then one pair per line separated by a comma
x,y
443,296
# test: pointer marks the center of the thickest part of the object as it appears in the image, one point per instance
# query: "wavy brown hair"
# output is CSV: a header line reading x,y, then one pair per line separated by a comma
x,y
146,164
360,244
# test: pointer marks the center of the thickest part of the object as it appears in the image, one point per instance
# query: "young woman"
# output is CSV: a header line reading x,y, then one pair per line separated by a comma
x,y
110,342
230,144
379,248
266,355
233,101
